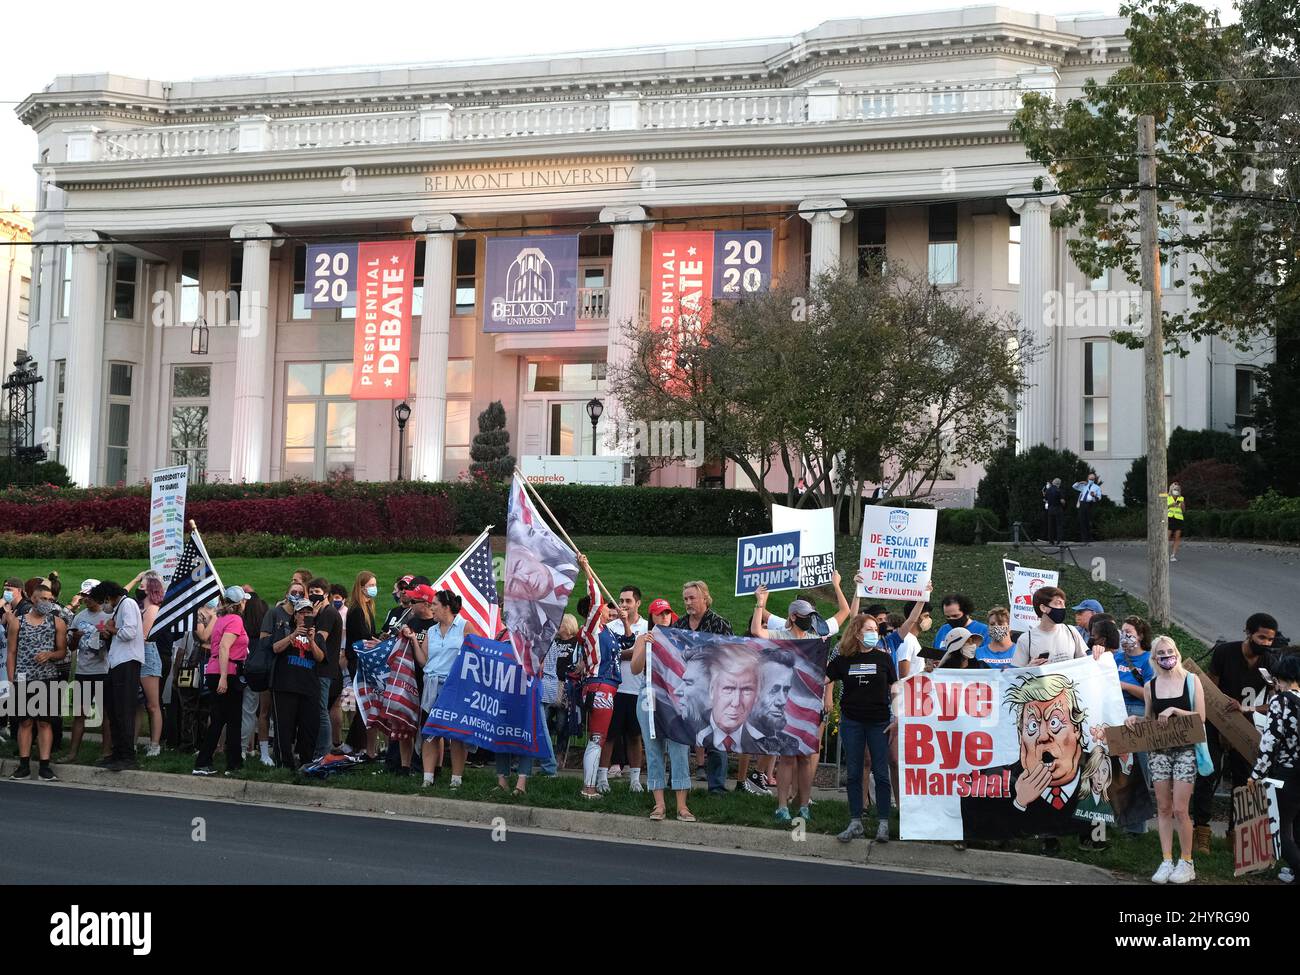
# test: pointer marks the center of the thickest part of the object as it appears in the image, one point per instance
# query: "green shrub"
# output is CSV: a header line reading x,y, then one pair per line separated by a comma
x,y
966,526
1271,500
1012,486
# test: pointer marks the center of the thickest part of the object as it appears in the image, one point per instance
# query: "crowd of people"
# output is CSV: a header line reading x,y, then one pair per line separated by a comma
x,y
592,681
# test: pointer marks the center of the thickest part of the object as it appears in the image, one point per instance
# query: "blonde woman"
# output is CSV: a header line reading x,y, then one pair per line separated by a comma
x,y
360,628
1173,691
1177,506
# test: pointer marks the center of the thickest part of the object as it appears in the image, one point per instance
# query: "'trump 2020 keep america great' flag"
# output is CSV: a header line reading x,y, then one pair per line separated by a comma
x,y
381,361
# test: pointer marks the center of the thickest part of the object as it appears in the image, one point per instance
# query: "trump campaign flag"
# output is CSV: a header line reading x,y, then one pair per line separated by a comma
x,y
540,573
381,359
488,699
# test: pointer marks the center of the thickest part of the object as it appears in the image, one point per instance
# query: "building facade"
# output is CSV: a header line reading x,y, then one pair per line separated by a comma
x,y
15,280
170,314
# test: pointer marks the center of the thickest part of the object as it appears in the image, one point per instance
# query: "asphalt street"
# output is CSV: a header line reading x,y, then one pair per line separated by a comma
x,y
1213,586
93,836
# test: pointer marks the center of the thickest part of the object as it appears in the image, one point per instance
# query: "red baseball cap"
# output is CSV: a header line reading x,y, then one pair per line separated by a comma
x,y
661,606
422,594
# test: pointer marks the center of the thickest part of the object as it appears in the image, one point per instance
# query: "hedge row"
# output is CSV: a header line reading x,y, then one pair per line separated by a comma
x,y
1259,526
135,545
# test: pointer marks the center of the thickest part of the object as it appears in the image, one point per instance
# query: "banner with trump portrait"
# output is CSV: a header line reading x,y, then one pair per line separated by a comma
x,y
993,754
737,694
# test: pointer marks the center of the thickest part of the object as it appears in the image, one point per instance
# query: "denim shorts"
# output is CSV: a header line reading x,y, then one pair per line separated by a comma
x,y
152,666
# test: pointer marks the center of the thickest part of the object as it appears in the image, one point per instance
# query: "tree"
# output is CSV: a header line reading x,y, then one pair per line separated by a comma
x,y
1227,121
1277,413
490,451
877,377
1013,484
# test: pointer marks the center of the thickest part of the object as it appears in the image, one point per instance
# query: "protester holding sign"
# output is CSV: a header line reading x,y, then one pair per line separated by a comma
x,y
1051,641
659,744
1279,757
1173,691
436,645
1133,661
700,618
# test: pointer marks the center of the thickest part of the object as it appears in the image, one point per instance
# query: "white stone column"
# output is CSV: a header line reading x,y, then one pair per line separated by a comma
x,y
624,297
1036,414
82,409
249,426
429,415
826,216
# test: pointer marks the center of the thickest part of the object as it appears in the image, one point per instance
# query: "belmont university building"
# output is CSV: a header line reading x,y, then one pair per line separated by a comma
x,y
855,142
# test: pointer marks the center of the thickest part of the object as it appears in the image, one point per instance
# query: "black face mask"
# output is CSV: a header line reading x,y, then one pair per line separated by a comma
x,y
957,620
1056,614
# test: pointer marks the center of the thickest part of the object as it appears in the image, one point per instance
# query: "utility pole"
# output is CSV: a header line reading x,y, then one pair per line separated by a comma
x,y
1154,363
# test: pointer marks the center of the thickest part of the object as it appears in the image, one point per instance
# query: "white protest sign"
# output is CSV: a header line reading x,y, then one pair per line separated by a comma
x,y
1009,567
167,519
1027,582
816,528
897,551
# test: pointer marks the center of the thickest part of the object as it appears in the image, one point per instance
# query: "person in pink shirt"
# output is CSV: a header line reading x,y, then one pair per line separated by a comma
x,y
224,676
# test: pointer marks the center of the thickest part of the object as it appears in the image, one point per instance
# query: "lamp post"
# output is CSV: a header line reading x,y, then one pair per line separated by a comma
x,y
594,409
403,413
199,338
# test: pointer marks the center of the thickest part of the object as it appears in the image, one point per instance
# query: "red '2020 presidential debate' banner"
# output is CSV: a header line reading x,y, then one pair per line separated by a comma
x,y
381,358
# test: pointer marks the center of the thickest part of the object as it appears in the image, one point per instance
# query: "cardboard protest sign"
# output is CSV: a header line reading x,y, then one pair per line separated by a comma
x,y
816,528
770,560
1026,583
1001,753
1254,808
1152,736
1236,729
897,551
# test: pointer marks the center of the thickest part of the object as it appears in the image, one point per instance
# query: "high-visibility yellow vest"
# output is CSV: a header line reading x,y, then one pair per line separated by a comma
x,y
1175,506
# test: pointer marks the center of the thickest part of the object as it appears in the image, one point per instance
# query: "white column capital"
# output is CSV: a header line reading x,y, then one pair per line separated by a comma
x,y
825,210
88,238
623,213
1026,199
245,231
434,223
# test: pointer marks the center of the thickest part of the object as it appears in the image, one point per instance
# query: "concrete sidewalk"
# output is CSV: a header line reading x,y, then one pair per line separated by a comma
x,y
939,859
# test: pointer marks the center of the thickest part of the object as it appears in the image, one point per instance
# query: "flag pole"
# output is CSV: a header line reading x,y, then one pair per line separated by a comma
x,y
556,522
198,541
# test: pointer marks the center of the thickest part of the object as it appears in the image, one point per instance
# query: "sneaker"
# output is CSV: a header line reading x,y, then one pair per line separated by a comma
x,y
23,771
46,774
153,751
123,764
852,832
204,770
783,815
1173,558
105,762
1165,871
344,749
1286,876
1184,873
882,831
636,786
603,788
266,760
615,771
701,774
754,784
805,813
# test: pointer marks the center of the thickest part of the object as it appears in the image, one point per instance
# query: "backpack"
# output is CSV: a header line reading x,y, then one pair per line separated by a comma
x,y
259,668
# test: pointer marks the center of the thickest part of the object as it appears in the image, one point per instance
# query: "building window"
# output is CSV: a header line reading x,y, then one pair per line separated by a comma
x,y
1013,249
566,377
596,245
25,299
457,436
466,276
1245,413
300,309
235,280
60,379
1101,282
1169,395
1096,396
191,387
871,241
417,285
125,269
943,243
117,439
320,422
1168,259
65,291
191,299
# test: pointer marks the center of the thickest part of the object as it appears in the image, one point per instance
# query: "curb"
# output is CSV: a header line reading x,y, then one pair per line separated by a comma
x,y
917,857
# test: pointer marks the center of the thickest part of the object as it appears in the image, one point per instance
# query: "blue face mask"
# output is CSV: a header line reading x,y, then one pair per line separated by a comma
x,y
870,638
372,591
212,604
9,596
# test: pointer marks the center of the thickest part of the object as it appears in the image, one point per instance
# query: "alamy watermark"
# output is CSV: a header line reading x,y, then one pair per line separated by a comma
x,y
661,438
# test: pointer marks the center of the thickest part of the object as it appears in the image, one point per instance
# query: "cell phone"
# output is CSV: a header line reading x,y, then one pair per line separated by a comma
x,y
309,621
1268,678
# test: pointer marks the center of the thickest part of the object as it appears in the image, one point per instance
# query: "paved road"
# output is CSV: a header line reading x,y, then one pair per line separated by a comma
x,y
104,837
1213,586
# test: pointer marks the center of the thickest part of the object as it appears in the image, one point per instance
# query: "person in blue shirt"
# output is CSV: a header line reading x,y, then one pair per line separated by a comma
x,y
1133,661
437,631
998,649
957,610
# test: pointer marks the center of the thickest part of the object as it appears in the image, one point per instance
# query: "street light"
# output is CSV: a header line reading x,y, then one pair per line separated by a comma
x,y
199,338
594,409
403,413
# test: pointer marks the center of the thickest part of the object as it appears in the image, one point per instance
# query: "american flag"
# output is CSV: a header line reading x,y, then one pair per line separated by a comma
x,y
589,635
193,584
470,577
384,687
804,705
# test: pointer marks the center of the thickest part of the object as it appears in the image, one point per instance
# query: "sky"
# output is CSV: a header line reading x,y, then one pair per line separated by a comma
x,y
154,39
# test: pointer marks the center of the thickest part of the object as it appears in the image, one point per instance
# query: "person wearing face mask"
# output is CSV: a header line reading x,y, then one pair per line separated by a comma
x,y
910,660
91,650
1177,506
359,627
125,632
1173,691
959,650
37,641
437,632
401,590
295,688
329,634
1279,758
957,610
997,651
222,672
1133,661
1051,640
275,627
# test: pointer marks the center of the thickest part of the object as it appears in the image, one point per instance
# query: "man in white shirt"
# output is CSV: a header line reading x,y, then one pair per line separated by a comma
x,y
1089,495
125,630
1051,640
624,725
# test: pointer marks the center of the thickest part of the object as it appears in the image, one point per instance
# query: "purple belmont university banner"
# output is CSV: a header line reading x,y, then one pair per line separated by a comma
x,y
532,284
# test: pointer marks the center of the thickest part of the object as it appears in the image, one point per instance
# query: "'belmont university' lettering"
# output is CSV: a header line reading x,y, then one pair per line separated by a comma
x,y
529,179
